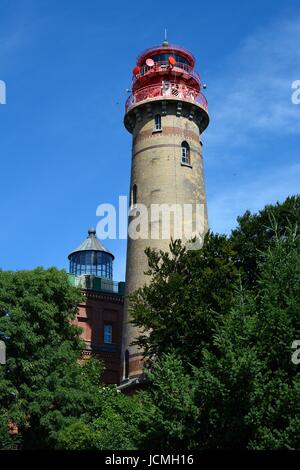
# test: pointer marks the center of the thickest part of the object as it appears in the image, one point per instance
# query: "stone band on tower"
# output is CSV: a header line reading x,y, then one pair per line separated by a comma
x,y
166,114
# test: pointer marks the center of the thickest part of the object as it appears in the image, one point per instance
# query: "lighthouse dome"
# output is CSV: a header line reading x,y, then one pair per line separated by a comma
x,y
91,257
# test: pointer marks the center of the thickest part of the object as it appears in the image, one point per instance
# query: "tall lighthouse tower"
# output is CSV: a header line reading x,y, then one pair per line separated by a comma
x,y
166,115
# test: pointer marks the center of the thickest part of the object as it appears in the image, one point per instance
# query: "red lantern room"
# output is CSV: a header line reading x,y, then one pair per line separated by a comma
x,y
166,72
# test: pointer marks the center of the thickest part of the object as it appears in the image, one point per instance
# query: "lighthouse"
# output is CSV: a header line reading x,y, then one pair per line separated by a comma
x,y
100,312
166,114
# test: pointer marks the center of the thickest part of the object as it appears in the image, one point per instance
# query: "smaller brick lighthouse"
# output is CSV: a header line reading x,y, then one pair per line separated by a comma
x,y
101,314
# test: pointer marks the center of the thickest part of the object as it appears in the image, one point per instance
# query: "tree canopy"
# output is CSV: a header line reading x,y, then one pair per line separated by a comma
x,y
219,324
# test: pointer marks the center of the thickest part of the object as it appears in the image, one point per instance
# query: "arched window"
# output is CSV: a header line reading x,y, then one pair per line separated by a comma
x,y
134,194
157,122
126,364
185,153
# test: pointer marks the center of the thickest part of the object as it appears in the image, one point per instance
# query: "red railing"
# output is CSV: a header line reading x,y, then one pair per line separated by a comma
x,y
167,89
179,67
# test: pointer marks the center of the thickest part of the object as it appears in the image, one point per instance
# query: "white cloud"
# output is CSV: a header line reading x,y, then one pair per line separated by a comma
x,y
253,91
251,107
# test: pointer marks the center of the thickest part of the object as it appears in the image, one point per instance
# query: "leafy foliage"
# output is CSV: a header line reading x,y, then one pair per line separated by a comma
x,y
240,383
112,426
54,399
218,326
188,293
42,384
256,232
170,412
245,392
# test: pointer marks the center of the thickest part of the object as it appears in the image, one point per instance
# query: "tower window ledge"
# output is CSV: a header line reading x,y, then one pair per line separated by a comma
x,y
186,164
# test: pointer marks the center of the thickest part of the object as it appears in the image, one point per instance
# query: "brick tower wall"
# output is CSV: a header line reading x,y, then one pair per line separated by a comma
x,y
161,178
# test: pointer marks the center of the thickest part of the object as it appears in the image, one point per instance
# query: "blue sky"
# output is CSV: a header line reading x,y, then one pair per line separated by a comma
x,y
63,148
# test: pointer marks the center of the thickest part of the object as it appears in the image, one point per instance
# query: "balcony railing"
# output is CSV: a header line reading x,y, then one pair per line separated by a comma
x,y
96,283
167,89
179,68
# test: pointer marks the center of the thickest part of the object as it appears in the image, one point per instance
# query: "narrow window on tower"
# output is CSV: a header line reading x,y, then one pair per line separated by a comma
x,y
134,195
107,333
126,364
157,122
185,153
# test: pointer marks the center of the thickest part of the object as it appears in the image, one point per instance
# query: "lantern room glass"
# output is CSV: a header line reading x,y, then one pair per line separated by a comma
x,y
97,263
164,57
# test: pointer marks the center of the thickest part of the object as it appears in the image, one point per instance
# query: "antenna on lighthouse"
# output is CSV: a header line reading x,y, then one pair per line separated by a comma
x,y
165,42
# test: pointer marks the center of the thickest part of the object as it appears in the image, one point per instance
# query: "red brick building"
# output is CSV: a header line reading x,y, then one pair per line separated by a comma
x,y
101,314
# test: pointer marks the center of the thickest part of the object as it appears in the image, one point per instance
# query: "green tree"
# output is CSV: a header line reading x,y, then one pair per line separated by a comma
x,y
259,406
188,292
229,314
255,232
113,424
170,413
42,385
245,392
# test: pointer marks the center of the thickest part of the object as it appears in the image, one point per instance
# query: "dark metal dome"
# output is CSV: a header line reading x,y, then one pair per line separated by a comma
x,y
91,257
